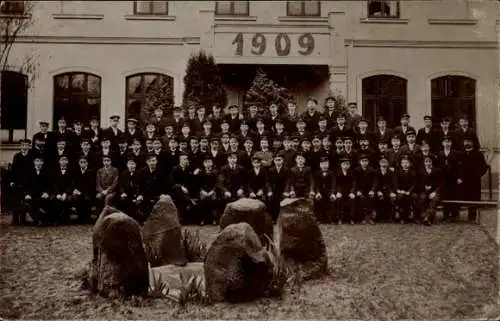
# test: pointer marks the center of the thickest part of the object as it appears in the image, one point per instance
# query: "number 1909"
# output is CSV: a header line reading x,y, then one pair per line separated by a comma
x,y
282,44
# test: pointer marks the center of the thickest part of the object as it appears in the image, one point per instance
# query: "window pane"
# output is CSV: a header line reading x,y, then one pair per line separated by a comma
x,y
149,81
311,8
12,7
134,85
223,7
241,7
78,82
295,8
160,7
143,7
383,8
62,82
94,85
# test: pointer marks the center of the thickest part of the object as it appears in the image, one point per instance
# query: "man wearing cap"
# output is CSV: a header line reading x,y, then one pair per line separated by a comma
x,y
76,137
36,192
86,151
343,190
277,178
322,127
429,187
62,133
176,120
364,181
443,131
384,190
206,129
132,132
208,201
394,153
113,133
411,148
291,117
382,132
330,112
473,167
404,127
341,129
232,179
106,182
265,153
93,133
323,184
219,157
301,131
245,156
300,183
138,153
244,132
424,151
427,132
21,164
353,116
364,148
153,183
405,182
182,180
216,118
350,152
129,188
465,131
159,120
450,163
256,182
83,191
234,118
272,116
151,132
362,132
169,133
201,117
311,115
61,150
43,134
63,189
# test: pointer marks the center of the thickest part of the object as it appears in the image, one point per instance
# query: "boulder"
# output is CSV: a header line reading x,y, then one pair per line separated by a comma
x,y
119,265
250,211
174,277
301,242
237,267
162,234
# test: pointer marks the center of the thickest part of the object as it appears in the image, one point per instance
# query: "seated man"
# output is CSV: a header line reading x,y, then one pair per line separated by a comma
x,y
364,178
257,179
208,192
404,185
344,192
37,192
429,187
151,186
232,179
384,188
181,180
324,191
106,183
63,189
129,190
83,189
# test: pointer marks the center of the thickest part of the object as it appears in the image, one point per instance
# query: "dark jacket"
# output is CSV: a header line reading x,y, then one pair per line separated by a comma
x,y
63,183
429,182
323,182
130,183
256,182
37,184
344,183
364,180
384,182
231,180
405,180
300,180
84,182
277,180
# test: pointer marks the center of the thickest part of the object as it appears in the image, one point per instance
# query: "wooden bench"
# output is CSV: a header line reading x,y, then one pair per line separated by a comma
x,y
479,205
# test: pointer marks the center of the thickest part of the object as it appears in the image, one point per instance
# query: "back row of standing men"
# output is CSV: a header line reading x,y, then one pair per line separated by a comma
x,y
258,136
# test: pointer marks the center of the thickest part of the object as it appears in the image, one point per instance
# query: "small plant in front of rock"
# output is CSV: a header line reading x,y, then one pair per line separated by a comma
x,y
159,288
281,273
192,290
194,247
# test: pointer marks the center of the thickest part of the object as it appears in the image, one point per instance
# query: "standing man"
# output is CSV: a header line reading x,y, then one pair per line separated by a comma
x,y
277,179
113,133
449,162
463,132
323,183
311,115
21,164
353,116
43,134
106,183
429,187
427,132
404,128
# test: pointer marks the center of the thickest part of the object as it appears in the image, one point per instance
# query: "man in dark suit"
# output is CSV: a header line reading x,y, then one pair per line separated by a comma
x,y
353,117
340,129
301,181
382,133
200,119
106,183
245,156
384,189
404,128
311,115
94,133
323,183
429,188
183,189
277,179
291,117
219,158
464,131
364,180
152,185
63,189
427,132
83,193
344,190
444,131
232,179
209,190
362,132
159,120
21,164
405,181
450,163
233,118
113,133
138,153
76,137
37,193
62,133
177,121
132,133
86,151
472,167
129,190
256,182
330,112
43,134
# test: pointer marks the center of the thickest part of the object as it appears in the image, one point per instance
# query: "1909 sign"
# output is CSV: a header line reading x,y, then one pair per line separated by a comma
x,y
282,44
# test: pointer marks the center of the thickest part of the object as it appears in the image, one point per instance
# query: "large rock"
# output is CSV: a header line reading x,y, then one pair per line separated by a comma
x,y
237,267
301,242
162,234
250,211
175,277
119,265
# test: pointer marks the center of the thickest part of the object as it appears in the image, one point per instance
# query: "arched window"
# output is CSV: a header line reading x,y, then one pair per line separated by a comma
x,y
77,96
14,105
453,96
147,91
384,95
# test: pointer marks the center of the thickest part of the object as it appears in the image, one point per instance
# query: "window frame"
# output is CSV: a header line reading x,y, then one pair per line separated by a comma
x,y
303,10
7,4
68,95
25,94
232,11
151,11
395,16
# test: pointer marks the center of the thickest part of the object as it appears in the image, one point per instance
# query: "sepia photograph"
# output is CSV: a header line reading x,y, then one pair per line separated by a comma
x,y
249,160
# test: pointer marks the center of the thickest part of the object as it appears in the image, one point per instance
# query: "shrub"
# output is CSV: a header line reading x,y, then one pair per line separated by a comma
x,y
265,91
195,249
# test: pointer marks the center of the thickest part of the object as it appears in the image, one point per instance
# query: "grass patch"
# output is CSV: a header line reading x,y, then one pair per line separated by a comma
x,y
383,272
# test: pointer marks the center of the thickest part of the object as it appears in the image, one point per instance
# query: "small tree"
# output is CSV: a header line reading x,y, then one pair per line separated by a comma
x,y
159,94
265,91
202,82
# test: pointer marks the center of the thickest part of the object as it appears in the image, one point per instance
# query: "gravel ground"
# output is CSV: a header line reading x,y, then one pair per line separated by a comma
x,y
383,272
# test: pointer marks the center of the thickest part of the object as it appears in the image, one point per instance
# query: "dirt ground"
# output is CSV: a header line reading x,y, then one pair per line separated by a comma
x,y
383,272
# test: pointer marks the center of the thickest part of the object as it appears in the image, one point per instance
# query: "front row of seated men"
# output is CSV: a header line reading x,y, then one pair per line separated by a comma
x,y
353,191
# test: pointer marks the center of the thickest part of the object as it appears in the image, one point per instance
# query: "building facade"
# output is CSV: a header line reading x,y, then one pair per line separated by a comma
x,y
391,57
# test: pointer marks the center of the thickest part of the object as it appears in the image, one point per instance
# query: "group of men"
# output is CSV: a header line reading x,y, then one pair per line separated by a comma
x,y
207,158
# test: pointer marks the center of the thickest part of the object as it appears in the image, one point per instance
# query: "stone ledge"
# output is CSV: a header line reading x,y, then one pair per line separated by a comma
x,y
72,16
220,18
150,17
384,20
452,21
